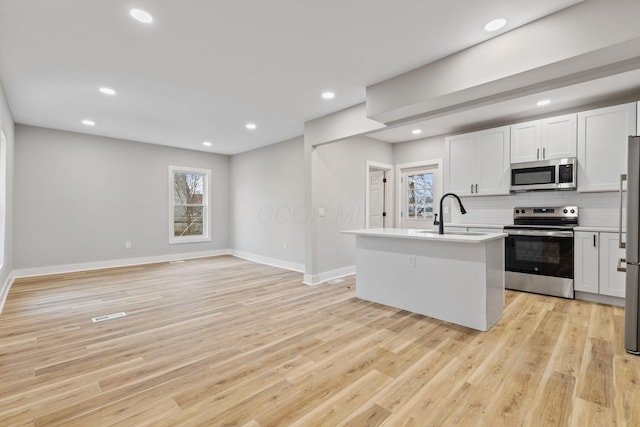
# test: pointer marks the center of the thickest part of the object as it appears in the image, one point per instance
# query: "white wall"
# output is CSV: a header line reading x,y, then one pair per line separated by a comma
x,y
420,149
6,123
596,209
338,179
267,204
80,197
342,124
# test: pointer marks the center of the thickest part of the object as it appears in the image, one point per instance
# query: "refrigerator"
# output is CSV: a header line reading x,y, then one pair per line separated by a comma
x,y
632,296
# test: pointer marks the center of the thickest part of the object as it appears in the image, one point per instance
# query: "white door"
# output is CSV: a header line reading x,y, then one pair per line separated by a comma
x,y
376,198
602,146
559,136
586,261
525,142
461,164
492,167
420,196
612,281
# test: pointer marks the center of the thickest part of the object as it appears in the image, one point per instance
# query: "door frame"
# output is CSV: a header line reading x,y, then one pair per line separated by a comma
x,y
401,167
388,192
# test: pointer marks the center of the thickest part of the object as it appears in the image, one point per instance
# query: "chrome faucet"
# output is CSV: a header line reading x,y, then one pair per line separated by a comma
x,y
440,223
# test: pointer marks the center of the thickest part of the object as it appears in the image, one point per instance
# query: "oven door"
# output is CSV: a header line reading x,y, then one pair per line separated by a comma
x,y
540,252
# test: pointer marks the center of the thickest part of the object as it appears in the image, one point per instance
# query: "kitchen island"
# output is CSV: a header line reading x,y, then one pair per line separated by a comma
x,y
457,276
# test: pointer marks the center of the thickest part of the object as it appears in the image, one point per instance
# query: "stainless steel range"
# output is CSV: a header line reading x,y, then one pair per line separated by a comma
x,y
539,250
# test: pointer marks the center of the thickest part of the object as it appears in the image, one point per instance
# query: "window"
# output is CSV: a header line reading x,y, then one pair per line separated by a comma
x,y
420,195
189,204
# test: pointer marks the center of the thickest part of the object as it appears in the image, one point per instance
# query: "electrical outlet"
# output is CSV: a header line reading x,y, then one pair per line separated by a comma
x,y
127,245
321,212
412,261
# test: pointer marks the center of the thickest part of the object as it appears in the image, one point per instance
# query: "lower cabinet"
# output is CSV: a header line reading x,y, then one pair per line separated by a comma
x,y
596,257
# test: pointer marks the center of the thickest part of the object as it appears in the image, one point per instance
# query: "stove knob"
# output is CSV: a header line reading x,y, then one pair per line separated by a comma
x,y
523,211
517,211
573,211
565,211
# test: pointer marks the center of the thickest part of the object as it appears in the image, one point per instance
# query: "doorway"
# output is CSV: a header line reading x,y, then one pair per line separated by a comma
x,y
379,195
420,188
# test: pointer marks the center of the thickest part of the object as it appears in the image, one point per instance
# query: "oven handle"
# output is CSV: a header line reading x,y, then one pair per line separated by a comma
x,y
538,233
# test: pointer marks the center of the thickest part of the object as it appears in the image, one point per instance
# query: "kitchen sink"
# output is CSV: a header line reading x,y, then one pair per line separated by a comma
x,y
453,233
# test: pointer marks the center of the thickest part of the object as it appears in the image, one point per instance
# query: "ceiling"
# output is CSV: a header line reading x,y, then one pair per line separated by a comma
x,y
204,68
615,88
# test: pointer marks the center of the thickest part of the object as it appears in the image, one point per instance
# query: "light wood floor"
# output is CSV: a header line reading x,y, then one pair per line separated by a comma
x,y
222,341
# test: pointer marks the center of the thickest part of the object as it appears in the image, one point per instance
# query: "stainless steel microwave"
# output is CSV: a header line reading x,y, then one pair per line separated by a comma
x,y
556,174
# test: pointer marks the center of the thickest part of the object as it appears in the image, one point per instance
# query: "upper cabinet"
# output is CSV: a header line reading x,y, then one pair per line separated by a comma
x,y
552,138
477,164
602,146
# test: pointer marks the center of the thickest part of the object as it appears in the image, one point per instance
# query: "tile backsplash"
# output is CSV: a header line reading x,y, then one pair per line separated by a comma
x,y
596,209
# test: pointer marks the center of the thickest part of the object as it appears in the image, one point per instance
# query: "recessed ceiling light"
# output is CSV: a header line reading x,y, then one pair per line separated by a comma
x,y
141,16
495,25
88,122
206,143
543,102
416,131
107,91
250,126
328,95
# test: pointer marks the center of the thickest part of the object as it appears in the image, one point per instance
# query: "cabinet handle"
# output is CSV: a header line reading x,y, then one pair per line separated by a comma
x,y
471,188
620,268
476,188
537,154
544,153
594,240
621,244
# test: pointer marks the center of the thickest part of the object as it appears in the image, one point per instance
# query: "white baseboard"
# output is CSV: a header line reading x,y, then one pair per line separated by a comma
x,y
601,299
127,262
287,265
4,292
316,279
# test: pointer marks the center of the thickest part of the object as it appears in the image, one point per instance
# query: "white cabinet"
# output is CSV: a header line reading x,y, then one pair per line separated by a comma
x,y
586,262
526,139
602,146
596,261
612,281
477,164
460,164
552,138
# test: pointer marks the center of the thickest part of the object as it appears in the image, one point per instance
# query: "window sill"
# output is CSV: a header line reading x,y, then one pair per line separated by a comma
x,y
190,239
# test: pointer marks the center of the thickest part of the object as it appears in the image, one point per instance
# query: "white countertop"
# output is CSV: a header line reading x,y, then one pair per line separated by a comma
x,y
431,235
598,228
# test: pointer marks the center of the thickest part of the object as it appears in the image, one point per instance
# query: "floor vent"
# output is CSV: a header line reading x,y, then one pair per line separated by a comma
x,y
108,317
176,262
334,281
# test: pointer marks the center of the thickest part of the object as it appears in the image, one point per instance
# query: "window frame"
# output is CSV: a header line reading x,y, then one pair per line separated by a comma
x,y
206,235
415,204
